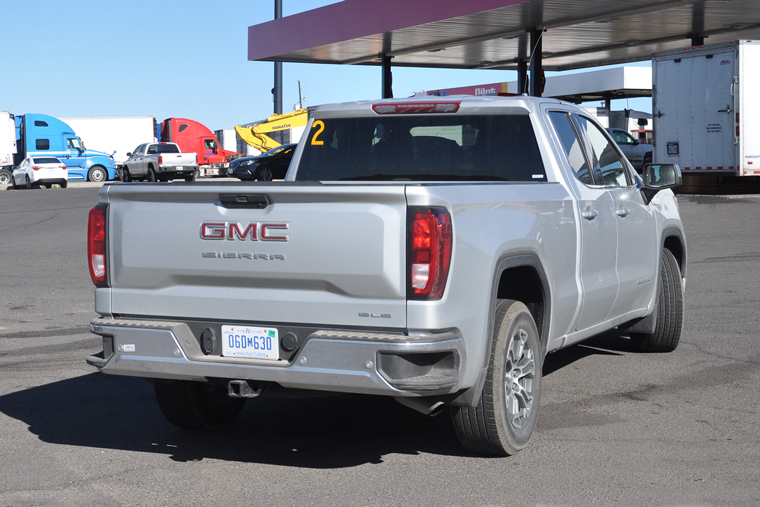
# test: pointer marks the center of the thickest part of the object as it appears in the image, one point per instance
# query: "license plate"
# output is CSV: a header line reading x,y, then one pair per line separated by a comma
x,y
255,342
180,167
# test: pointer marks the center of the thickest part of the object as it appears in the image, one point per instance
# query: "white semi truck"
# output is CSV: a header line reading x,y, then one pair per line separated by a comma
x,y
706,108
115,135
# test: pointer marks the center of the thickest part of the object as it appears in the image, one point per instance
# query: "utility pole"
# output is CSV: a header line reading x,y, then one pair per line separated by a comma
x,y
277,90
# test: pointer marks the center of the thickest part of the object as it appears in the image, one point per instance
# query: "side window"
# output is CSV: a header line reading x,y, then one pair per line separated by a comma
x,y
606,161
621,138
152,149
42,144
210,144
572,146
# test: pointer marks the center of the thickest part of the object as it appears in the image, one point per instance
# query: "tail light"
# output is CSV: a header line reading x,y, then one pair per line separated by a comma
x,y
36,168
160,159
96,245
430,241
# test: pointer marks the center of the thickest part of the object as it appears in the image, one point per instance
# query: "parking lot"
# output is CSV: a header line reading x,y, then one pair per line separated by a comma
x,y
615,427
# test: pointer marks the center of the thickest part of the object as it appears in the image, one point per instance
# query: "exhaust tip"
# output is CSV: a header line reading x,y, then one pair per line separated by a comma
x,y
428,406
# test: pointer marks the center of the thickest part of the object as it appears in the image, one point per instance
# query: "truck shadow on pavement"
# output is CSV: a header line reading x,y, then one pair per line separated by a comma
x,y
120,413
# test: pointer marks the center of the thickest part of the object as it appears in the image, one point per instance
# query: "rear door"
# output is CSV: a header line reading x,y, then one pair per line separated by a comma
x,y
317,254
598,228
695,111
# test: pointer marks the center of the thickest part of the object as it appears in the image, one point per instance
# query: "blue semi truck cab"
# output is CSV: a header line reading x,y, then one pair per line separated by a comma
x,y
40,134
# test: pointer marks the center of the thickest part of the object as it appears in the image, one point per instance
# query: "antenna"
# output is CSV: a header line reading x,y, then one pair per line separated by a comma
x,y
530,61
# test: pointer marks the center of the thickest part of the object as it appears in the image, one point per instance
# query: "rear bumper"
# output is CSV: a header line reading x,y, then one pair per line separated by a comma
x,y
329,360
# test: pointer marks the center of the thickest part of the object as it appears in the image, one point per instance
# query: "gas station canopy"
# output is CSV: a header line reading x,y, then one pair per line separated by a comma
x,y
496,34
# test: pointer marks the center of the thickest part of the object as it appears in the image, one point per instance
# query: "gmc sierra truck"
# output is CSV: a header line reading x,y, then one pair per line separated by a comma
x,y
431,250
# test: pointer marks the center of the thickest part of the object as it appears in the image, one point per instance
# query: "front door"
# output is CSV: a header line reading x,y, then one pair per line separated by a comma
x,y
636,233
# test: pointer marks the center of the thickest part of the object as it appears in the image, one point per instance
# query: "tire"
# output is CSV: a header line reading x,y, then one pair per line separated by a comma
x,y
264,173
13,183
667,331
27,183
197,405
152,175
97,173
191,177
64,184
125,176
505,418
6,177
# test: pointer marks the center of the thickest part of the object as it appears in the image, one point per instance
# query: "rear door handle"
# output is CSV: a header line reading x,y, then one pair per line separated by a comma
x,y
622,212
590,214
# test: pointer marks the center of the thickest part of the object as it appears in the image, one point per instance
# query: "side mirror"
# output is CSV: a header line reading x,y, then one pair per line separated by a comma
x,y
660,176
635,142
129,153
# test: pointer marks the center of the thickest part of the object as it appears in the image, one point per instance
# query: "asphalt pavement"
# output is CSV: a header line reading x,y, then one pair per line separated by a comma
x,y
615,427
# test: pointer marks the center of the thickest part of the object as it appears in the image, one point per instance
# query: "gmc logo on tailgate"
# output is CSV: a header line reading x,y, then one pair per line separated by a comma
x,y
255,231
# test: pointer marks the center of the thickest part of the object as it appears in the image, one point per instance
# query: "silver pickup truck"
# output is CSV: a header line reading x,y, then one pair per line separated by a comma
x,y
159,162
432,250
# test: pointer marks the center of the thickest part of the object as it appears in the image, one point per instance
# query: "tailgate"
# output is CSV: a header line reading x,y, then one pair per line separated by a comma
x,y
177,159
317,254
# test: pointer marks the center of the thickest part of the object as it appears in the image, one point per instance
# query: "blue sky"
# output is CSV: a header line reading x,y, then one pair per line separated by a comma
x,y
171,58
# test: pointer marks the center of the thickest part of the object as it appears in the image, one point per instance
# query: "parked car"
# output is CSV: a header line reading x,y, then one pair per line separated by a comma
x,y
272,164
637,154
40,172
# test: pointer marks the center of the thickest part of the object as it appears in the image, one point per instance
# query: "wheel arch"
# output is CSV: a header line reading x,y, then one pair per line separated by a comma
x,y
518,275
673,240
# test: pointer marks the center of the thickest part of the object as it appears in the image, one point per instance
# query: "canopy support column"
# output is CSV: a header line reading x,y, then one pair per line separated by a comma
x,y
387,77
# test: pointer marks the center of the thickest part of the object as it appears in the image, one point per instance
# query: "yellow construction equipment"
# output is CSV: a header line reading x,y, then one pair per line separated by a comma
x,y
255,136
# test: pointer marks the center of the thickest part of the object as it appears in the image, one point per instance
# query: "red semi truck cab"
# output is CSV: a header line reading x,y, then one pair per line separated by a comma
x,y
194,137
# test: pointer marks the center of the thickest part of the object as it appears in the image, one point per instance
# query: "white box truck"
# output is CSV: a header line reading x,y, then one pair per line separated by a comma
x,y
706,108
114,134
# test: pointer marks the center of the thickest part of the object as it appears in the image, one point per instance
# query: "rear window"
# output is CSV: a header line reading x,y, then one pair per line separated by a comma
x,y
163,148
46,160
422,147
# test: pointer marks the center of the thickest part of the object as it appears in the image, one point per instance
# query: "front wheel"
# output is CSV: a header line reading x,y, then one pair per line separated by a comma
x,y
504,420
197,405
125,176
97,174
264,173
667,331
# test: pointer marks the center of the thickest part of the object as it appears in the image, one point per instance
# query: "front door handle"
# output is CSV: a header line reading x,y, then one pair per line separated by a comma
x,y
590,214
622,212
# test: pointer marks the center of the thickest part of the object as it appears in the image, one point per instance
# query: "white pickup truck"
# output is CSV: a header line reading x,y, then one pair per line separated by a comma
x,y
432,250
159,162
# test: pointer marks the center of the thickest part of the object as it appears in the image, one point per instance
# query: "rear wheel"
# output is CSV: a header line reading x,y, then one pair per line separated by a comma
x,y
197,405
64,184
6,177
191,177
97,174
667,332
505,418
264,173
152,175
